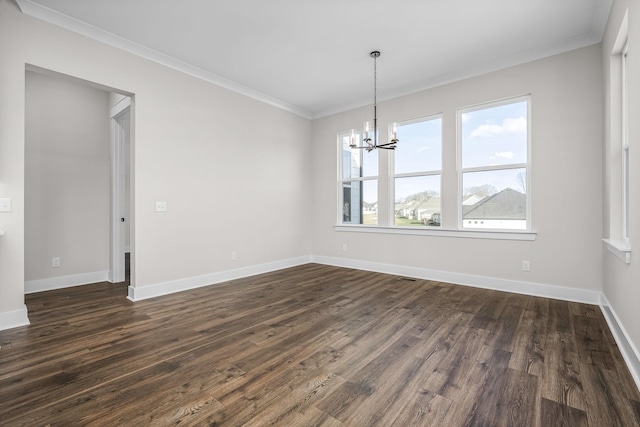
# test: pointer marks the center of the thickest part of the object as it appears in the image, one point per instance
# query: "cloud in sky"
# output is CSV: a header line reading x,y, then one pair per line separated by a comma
x,y
505,154
508,126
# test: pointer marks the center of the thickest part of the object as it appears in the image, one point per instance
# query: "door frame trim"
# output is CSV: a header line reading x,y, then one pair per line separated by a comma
x,y
117,257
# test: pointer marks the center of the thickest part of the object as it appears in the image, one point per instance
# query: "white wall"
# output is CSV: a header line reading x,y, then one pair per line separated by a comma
x,y
622,281
239,175
233,170
67,178
567,110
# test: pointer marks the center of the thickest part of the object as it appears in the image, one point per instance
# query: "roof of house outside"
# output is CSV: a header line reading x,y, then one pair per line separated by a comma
x,y
507,204
471,200
430,203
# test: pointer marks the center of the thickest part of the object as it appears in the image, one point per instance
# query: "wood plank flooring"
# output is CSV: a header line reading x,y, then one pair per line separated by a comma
x,y
313,346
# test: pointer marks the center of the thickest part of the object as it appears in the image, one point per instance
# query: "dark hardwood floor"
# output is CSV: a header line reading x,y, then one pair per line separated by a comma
x,y
313,346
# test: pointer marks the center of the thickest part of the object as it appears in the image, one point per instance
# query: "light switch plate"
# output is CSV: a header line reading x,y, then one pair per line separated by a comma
x,y
5,205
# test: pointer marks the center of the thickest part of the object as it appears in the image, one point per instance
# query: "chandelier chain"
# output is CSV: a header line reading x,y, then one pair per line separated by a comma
x,y
375,97
366,134
375,81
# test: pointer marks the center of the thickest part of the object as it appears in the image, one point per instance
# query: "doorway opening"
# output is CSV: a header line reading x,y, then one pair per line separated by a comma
x,y
78,182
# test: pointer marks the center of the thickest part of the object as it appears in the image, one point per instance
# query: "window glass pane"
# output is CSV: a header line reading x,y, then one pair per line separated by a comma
x,y
360,202
494,136
357,163
495,199
420,147
417,201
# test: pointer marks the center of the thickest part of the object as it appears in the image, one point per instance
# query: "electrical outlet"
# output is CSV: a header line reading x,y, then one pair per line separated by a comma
x,y
55,262
5,205
526,266
344,247
234,256
161,206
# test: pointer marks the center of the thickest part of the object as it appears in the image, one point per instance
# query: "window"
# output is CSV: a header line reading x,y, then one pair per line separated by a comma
x,y
359,184
414,189
417,170
625,145
494,165
618,241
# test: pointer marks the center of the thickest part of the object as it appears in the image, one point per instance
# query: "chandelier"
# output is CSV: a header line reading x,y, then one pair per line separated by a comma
x,y
370,129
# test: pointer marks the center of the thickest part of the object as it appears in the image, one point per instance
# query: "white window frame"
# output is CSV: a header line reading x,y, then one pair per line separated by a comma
x,y
342,181
526,165
393,175
625,144
618,242
386,189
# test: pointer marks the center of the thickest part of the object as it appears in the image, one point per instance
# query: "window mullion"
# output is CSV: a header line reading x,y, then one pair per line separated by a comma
x,y
495,167
412,174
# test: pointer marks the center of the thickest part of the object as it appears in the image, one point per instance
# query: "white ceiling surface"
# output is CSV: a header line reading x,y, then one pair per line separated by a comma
x,y
311,57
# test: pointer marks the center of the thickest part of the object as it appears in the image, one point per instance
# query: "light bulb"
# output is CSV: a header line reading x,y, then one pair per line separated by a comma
x,y
393,131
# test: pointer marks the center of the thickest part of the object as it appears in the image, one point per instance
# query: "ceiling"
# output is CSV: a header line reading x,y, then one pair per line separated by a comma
x,y
311,57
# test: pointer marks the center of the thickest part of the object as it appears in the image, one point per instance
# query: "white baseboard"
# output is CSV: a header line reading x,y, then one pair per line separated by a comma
x,y
629,351
514,286
41,285
14,318
138,293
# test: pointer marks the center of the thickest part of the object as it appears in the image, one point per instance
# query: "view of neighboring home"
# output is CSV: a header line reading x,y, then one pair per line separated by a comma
x,y
420,209
505,209
370,207
471,200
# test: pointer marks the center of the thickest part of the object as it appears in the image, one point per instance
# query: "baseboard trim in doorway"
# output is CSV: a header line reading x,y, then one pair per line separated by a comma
x,y
14,318
41,285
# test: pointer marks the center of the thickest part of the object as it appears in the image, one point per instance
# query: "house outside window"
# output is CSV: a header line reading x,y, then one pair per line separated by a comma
x,y
416,173
359,184
493,154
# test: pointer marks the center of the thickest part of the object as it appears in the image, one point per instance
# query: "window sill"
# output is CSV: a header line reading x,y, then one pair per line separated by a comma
x,y
417,231
620,249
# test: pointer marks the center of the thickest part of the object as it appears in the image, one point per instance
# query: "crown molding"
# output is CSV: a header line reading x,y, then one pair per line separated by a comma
x,y
600,18
43,13
476,70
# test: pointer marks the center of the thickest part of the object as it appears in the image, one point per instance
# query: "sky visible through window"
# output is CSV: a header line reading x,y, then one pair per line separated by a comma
x,y
492,137
419,150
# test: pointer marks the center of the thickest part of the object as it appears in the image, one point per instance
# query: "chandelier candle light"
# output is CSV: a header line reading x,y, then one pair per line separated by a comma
x,y
368,128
